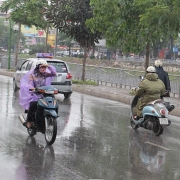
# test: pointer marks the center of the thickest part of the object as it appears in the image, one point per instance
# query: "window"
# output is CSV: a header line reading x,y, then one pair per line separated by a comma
x,y
60,66
29,66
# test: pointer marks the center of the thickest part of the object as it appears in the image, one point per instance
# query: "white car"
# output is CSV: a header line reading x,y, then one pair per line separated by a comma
x,y
25,51
63,80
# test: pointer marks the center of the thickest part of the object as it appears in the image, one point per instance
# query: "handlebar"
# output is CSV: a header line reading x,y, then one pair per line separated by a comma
x,y
32,89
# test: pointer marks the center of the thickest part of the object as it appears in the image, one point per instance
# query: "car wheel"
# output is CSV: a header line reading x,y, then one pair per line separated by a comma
x,y
15,88
67,95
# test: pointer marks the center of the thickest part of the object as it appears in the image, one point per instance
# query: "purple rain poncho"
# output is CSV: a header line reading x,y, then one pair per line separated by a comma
x,y
33,80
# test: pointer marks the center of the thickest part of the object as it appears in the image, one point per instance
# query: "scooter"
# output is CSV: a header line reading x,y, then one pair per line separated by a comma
x,y
154,116
45,115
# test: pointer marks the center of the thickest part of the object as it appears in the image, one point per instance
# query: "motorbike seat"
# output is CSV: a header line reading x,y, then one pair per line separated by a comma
x,y
155,101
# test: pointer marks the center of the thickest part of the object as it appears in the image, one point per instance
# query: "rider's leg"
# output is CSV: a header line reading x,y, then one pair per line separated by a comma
x,y
138,110
39,117
31,113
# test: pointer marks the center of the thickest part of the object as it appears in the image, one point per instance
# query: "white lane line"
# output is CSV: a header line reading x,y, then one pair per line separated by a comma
x,y
158,146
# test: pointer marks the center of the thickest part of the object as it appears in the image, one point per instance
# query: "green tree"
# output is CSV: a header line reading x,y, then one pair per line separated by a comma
x,y
64,40
135,25
39,48
70,17
4,35
27,13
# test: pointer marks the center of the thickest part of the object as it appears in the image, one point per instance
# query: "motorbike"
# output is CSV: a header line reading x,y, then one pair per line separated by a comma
x,y
46,114
154,116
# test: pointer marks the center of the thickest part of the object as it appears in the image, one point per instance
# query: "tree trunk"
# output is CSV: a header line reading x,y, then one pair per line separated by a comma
x,y
147,55
17,46
69,49
84,63
93,52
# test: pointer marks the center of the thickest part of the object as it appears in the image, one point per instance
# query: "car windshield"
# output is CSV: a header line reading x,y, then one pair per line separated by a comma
x,y
60,66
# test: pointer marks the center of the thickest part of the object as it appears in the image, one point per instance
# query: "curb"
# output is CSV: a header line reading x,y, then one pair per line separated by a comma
x,y
87,89
6,73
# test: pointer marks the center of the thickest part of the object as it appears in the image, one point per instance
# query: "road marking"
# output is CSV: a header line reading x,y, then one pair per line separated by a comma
x,y
158,146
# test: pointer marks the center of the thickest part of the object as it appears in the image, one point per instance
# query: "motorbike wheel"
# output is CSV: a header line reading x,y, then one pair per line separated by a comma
x,y
67,95
158,129
133,125
31,132
50,129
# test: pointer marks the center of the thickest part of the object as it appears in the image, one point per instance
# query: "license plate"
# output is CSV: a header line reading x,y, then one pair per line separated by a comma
x,y
59,78
166,99
163,121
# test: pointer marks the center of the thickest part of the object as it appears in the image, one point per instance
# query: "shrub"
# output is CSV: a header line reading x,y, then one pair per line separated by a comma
x,y
87,82
92,57
81,55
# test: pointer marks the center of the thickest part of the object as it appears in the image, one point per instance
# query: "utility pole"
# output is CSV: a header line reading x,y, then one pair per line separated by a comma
x,y
55,43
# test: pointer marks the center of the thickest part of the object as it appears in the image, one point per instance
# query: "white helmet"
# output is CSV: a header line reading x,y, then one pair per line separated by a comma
x,y
158,63
151,69
41,62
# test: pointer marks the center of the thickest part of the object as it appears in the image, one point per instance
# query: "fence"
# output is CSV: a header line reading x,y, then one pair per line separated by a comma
x,y
118,77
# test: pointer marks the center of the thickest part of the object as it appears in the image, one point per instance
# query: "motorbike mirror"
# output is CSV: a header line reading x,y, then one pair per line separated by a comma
x,y
141,77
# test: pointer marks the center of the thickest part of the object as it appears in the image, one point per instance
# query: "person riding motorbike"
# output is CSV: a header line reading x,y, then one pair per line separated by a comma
x,y
150,89
162,74
41,75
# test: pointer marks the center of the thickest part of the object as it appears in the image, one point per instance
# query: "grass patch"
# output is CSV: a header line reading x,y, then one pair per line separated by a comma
x,y
25,56
87,82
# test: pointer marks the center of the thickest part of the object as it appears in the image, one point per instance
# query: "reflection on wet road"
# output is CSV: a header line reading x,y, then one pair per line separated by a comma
x,y
94,141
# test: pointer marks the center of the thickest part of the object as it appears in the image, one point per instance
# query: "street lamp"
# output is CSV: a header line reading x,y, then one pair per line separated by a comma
x,y
15,28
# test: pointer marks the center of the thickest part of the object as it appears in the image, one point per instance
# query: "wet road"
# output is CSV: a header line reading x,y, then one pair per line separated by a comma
x,y
94,141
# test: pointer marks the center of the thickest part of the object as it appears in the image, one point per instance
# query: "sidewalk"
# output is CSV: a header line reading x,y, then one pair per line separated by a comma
x,y
107,92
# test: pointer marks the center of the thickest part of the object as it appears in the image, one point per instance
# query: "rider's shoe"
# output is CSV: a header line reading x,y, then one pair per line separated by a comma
x,y
27,124
171,108
136,117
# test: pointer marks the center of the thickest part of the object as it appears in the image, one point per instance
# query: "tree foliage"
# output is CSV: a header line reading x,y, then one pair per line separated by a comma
x,y
27,13
69,16
135,25
39,48
4,36
64,40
